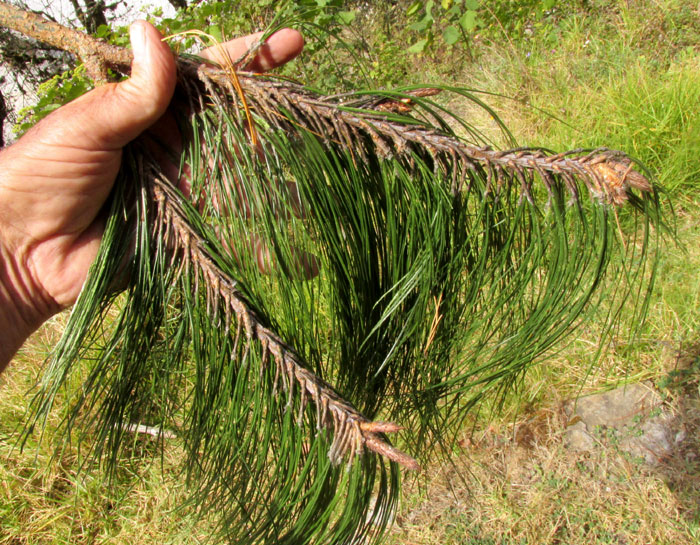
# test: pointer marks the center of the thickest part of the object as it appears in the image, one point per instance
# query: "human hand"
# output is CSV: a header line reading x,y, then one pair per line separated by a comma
x,y
55,180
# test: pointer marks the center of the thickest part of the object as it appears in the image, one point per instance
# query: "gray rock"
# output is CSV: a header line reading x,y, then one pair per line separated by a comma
x,y
578,438
633,417
654,440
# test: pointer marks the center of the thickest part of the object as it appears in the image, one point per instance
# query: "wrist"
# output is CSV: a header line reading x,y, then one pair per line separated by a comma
x,y
20,315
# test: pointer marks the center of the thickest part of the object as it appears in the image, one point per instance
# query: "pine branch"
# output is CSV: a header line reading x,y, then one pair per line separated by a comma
x,y
352,431
444,277
608,175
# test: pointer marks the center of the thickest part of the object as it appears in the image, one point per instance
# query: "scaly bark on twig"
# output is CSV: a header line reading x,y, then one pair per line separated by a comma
x,y
352,431
608,175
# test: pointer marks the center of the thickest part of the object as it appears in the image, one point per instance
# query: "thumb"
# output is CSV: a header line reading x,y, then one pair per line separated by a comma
x,y
112,115
143,98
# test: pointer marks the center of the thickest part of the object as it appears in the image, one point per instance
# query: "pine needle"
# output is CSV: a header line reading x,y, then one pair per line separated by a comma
x,y
447,269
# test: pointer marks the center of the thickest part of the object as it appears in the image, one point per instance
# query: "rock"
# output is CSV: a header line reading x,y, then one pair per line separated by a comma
x,y
578,438
654,442
632,416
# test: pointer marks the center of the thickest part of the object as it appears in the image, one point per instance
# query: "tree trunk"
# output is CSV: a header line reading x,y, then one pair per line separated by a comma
x,y
3,115
178,4
92,15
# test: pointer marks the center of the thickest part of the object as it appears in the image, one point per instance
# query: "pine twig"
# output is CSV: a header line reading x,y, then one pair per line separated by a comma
x,y
352,431
608,175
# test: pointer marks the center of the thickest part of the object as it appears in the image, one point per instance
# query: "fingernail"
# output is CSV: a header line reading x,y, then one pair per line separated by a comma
x,y
137,33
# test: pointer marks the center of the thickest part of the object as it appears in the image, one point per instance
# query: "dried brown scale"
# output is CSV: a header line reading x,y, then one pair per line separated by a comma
x,y
319,406
357,437
264,357
302,403
227,328
279,360
347,438
342,130
275,381
335,424
291,379
339,431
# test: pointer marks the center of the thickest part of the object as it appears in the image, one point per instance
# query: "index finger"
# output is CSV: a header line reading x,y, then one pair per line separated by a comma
x,y
279,48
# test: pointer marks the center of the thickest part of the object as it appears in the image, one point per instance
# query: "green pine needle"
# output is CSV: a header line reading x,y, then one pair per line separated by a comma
x,y
445,270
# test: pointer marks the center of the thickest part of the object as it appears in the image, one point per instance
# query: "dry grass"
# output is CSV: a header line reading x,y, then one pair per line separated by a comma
x,y
46,498
520,484
516,482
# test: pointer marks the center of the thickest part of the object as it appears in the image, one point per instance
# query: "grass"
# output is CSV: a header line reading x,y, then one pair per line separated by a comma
x,y
541,493
47,499
595,79
604,81
624,75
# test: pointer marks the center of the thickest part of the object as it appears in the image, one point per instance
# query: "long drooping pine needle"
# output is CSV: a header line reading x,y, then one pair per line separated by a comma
x,y
447,269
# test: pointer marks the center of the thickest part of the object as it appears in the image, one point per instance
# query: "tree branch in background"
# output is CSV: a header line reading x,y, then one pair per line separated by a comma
x,y
30,62
93,14
3,116
178,4
95,54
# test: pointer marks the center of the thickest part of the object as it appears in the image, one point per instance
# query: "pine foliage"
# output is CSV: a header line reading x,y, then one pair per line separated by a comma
x,y
445,270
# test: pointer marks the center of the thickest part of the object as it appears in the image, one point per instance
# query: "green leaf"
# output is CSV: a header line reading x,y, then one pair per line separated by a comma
x,y
468,20
451,35
103,32
347,17
174,25
446,4
421,25
426,22
471,5
414,8
51,107
418,47
215,31
453,12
